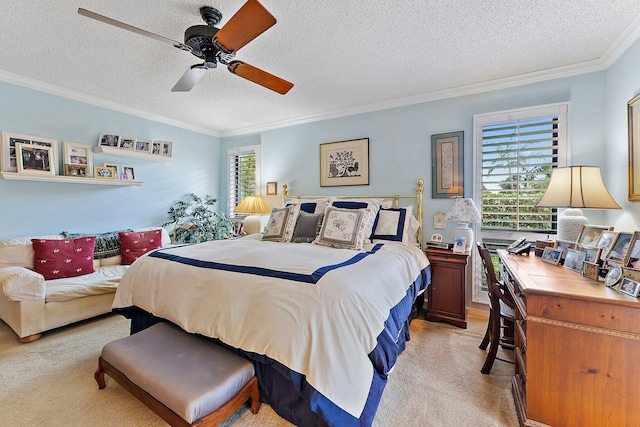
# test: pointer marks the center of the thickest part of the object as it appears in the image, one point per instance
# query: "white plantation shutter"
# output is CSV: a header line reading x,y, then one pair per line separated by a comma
x,y
243,172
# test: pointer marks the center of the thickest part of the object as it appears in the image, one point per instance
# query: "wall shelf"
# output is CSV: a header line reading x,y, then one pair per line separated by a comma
x,y
67,179
136,154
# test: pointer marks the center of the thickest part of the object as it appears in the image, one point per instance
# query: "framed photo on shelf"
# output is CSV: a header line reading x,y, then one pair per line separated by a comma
x,y
606,242
613,277
77,154
127,143
34,159
116,169
620,247
590,270
156,148
551,255
630,287
574,260
167,148
128,173
103,172
592,253
79,171
272,188
143,146
564,246
9,152
344,163
590,234
109,140
447,165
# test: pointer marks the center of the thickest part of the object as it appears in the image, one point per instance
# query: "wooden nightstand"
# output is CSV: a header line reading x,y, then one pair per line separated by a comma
x,y
446,293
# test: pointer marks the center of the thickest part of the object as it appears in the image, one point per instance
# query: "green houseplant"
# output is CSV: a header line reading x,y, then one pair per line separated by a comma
x,y
194,222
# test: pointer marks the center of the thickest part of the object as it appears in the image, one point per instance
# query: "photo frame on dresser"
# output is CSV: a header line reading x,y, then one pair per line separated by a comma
x,y
447,165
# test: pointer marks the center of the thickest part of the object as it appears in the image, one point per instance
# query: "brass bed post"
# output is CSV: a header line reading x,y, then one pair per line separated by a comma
x,y
419,193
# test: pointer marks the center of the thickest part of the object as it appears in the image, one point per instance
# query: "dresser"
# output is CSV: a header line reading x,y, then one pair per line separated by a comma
x,y
577,355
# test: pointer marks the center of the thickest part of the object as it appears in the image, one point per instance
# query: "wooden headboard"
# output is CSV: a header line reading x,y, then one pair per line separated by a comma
x,y
416,198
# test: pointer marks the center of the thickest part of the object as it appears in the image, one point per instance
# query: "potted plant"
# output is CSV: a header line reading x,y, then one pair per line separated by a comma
x,y
194,222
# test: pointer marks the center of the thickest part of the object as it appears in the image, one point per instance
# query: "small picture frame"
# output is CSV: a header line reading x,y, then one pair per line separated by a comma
x,y
551,255
439,221
574,260
606,242
77,154
272,188
104,172
128,173
564,246
590,234
613,277
115,167
35,159
167,148
127,143
109,140
9,150
620,247
630,287
156,148
143,146
592,253
633,255
590,270
79,171
459,244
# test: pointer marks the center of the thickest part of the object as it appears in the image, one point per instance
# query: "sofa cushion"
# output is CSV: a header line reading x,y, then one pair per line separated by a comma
x,y
134,244
107,244
102,281
55,259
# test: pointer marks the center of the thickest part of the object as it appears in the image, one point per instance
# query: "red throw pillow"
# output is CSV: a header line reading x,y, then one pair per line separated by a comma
x,y
134,244
56,259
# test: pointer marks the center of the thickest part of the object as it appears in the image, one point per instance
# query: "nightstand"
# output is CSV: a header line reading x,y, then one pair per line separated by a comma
x,y
446,293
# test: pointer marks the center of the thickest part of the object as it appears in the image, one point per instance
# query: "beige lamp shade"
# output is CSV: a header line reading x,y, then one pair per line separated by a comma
x,y
252,206
576,187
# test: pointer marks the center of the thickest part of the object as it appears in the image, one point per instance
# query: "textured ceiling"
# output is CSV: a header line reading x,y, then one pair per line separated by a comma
x,y
342,55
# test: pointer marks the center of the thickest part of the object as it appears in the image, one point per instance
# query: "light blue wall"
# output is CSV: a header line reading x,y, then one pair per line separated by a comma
x,y
400,140
32,208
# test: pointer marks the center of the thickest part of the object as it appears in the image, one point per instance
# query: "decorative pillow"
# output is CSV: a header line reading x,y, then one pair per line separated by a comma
x,y
344,228
134,244
373,204
281,224
309,206
107,244
394,224
307,227
56,259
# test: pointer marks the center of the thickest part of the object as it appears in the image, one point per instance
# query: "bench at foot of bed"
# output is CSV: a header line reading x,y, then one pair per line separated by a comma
x,y
185,379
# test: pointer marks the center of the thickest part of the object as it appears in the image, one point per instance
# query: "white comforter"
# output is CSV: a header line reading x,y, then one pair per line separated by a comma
x,y
323,330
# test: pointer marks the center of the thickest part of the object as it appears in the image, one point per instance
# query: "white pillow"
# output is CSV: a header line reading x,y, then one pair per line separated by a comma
x,y
344,228
393,224
373,204
281,224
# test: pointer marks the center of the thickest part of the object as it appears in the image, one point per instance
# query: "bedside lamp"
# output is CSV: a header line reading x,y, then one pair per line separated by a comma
x,y
253,206
575,187
464,212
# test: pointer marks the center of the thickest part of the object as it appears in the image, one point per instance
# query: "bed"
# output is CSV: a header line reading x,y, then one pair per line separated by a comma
x,y
323,323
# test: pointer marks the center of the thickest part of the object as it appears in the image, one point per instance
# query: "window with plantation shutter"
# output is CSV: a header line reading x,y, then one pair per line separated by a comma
x,y
243,175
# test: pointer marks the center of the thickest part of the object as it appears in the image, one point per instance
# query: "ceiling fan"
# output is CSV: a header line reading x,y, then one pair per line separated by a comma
x,y
215,45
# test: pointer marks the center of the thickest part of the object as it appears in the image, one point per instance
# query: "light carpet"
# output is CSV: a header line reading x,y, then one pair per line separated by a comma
x,y
436,381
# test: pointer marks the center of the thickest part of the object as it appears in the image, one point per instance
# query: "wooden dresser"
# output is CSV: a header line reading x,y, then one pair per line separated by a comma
x,y
577,347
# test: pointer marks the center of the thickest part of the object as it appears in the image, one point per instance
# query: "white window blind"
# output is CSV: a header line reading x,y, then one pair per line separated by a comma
x,y
243,173
517,158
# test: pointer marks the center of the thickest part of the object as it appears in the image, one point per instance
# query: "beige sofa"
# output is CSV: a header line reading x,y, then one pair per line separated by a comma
x,y
30,305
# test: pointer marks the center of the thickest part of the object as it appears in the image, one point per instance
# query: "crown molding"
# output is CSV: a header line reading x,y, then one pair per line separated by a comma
x,y
98,102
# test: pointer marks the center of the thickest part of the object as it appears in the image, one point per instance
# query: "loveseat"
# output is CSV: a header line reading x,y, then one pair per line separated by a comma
x,y
32,303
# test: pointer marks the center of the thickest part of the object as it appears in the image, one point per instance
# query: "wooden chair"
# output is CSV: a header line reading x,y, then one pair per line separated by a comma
x,y
501,313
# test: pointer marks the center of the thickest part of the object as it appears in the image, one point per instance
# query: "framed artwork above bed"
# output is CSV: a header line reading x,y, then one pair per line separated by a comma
x,y
344,163
447,156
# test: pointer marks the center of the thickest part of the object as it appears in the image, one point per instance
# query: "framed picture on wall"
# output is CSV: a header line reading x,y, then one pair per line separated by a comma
x,y
447,165
633,117
128,173
127,143
344,163
77,154
9,152
35,159
109,140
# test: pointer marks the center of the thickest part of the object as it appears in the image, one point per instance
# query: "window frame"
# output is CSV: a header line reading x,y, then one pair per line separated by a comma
x,y
233,152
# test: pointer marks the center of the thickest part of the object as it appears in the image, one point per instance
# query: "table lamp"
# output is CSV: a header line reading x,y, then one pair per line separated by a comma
x,y
464,212
575,187
253,206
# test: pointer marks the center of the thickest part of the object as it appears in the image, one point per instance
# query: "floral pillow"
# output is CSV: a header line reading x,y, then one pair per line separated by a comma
x,y
344,228
281,224
57,259
134,244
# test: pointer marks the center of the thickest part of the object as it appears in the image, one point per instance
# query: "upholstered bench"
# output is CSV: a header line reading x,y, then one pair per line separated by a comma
x,y
185,379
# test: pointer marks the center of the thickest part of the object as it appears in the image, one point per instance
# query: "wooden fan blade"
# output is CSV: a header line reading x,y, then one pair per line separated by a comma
x,y
260,77
248,23
190,78
111,21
